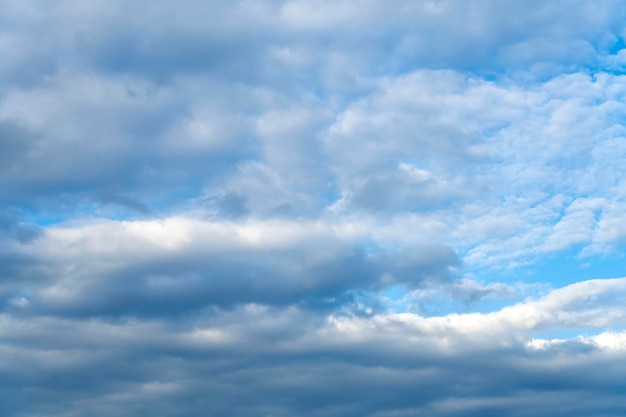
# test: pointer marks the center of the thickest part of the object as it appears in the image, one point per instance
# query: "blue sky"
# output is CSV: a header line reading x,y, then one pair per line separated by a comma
x,y
312,208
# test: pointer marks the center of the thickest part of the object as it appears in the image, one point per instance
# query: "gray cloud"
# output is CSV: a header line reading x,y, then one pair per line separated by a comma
x,y
288,361
194,264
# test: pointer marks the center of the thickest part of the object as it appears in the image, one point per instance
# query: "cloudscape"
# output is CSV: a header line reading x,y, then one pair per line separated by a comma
x,y
312,208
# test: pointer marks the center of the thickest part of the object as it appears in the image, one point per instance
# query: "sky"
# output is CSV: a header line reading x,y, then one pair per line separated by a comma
x,y
307,208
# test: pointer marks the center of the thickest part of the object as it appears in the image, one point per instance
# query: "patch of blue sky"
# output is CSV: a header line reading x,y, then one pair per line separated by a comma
x,y
394,298
43,220
617,46
331,194
574,332
565,268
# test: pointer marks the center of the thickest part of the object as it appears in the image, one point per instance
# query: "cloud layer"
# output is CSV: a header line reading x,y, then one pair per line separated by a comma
x,y
336,208
285,361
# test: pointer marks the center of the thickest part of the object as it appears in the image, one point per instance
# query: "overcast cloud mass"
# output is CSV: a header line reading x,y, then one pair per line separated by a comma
x,y
312,208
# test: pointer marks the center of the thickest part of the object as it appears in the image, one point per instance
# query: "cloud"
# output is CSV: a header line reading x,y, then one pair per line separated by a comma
x,y
179,265
287,360
427,139
161,41
311,207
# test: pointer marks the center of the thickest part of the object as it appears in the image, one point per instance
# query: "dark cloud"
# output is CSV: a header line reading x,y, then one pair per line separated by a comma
x,y
14,226
110,197
286,362
232,206
15,141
